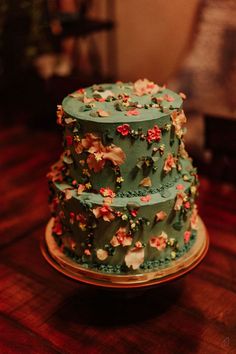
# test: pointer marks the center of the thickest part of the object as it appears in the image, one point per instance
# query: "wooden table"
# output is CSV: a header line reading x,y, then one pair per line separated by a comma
x,y
42,311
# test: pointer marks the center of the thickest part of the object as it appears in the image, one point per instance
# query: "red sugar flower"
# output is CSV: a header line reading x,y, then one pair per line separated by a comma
x,y
81,218
134,212
187,235
124,129
153,134
72,217
107,192
61,214
187,205
179,187
87,252
57,227
81,90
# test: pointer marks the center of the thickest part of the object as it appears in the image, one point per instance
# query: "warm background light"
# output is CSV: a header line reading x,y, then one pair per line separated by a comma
x,y
152,36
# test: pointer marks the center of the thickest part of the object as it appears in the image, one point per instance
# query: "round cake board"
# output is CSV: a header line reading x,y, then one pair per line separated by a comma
x,y
177,268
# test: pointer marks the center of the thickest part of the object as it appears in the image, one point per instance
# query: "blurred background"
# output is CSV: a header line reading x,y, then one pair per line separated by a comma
x,y
51,47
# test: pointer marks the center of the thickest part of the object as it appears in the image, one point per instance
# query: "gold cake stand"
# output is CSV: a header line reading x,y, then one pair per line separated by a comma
x,y
57,259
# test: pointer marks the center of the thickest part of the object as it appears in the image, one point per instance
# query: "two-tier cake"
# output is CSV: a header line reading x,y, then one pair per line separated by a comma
x,y
122,194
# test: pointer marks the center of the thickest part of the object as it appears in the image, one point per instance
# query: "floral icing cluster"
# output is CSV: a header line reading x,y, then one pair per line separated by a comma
x,y
124,236
134,232
152,135
98,153
122,101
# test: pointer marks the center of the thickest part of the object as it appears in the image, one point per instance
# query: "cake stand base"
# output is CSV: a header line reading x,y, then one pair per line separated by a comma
x,y
177,268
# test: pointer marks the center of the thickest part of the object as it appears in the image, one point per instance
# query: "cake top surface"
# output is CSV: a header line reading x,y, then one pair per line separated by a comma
x,y
122,102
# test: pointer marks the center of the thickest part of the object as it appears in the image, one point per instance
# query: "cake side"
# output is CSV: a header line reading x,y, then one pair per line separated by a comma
x,y
126,234
128,141
123,191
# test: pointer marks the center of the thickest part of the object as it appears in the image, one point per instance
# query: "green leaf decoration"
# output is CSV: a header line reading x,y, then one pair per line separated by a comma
x,y
172,135
155,161
120,107
96,95
84,180
97,88
177,226
85,108
139,164
86,204
93,114
165,193
146,162
107,138
132,205
109,249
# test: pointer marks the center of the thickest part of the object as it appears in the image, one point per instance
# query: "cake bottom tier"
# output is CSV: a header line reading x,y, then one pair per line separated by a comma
x,y
124,235
148,277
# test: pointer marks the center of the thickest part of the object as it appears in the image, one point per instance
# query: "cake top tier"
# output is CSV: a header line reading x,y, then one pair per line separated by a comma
x,y
122,102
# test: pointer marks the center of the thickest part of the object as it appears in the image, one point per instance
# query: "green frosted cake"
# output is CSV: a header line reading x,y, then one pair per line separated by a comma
x,y
122,193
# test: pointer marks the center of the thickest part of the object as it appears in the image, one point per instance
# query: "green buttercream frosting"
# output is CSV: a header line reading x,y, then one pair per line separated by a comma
x,y
73,105
123,191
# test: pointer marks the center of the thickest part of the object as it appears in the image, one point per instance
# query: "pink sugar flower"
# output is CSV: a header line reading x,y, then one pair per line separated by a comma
x,y
170,163
145,87
159,242
107,192
134,257
168,98
104,212
146,198
121,238
132,112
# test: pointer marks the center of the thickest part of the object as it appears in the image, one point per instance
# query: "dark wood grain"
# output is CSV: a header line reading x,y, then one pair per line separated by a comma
x,y
42,311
